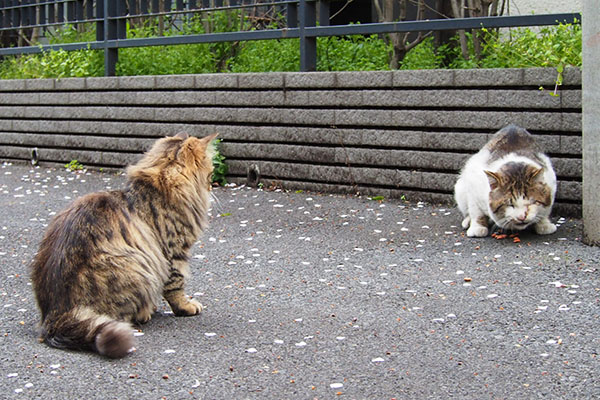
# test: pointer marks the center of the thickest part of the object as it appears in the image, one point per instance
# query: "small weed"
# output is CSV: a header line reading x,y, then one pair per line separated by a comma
x,y
219,167
74,165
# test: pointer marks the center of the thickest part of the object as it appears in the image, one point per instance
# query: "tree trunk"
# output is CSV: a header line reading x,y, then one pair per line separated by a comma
x,y
458,9
399,41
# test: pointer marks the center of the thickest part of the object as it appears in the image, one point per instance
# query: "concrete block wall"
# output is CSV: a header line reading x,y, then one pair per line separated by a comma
x,y
389,133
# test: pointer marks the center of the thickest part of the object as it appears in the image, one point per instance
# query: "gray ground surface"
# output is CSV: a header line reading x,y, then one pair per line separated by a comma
x,y
317,296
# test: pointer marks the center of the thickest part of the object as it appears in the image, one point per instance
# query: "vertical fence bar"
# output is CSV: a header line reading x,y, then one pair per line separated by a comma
x,y
292,15
111,55
16,22
14,18
122,22
70,11
30,12
52,13
323,12
79,10
89,9
7,15
20,13
100,22
133,8
2,14
43,17
308,45
24,13
191,5
60,11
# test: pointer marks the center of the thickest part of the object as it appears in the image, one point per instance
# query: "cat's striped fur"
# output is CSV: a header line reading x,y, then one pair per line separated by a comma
x,y
106,260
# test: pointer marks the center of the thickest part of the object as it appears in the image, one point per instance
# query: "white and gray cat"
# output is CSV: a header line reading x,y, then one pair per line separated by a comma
x,y
510,183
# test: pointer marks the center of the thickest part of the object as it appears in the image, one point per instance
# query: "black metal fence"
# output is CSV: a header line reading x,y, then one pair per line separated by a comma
x,y
19,17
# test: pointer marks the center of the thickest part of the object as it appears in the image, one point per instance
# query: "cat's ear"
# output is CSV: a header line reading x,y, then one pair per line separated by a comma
x,y
533,173
494,179
205,141
182,135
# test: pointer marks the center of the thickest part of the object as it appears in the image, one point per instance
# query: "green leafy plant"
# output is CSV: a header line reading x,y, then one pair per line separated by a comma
x,y
376,198
552,46
74,165
219,167
352,53
423,56
267,56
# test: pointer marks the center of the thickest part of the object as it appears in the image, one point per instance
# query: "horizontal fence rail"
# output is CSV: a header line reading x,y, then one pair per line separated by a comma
x,y
110,18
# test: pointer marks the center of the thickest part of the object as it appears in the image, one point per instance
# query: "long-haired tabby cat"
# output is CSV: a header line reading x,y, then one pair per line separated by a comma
x,y
510,183
107,259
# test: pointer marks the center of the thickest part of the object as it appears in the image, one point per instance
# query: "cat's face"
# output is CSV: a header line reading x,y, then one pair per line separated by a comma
x,y
518,196
178,162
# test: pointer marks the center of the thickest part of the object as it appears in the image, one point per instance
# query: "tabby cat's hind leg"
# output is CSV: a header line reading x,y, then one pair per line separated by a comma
x,y
144,315
173,292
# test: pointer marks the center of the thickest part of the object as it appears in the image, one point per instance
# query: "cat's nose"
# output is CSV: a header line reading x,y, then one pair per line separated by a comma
x,y
522,217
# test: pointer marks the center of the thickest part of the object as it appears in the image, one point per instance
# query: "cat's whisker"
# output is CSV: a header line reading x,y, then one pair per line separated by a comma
x,y
215,202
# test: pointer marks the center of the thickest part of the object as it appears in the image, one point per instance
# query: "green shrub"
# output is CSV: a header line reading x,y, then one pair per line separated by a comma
x,y
555,46
423,56
267,55
352,53
165,60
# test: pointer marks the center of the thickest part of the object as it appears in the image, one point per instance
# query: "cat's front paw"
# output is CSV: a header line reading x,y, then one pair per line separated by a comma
x,y
187,308
142,318
466,222
477,231
545,227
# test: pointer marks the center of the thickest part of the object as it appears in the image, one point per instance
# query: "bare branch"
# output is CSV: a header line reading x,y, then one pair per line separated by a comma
x,y
343,8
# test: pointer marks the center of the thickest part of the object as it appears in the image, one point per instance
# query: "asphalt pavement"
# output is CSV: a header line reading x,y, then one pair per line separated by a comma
x,y
317,296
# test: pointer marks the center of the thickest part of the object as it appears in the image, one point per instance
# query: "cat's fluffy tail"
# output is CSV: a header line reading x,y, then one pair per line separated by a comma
x,y
83,329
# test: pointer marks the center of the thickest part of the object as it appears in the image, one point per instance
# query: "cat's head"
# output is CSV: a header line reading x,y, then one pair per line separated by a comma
x,y
177,162
518,197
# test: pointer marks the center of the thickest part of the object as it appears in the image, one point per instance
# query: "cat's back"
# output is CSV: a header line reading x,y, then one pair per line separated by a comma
x,y
93,209
511,139
82,225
